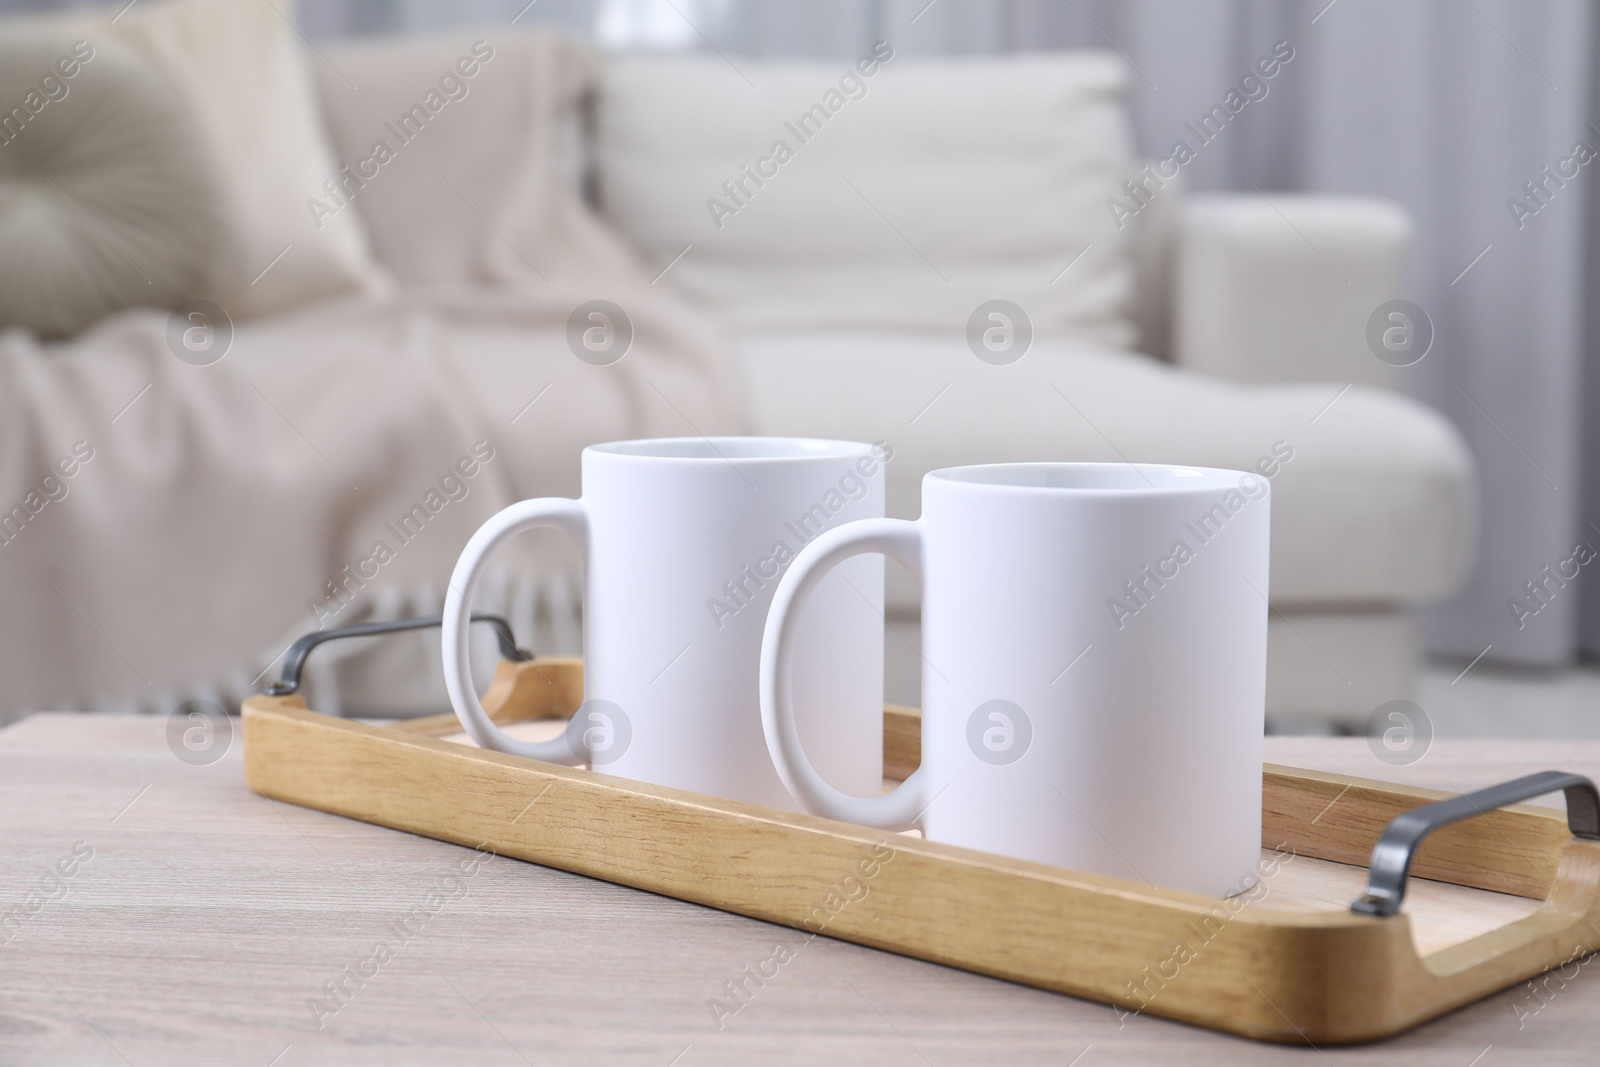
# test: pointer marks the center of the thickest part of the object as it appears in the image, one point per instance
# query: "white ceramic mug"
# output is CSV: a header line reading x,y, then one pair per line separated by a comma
x,y
1094,668
684,541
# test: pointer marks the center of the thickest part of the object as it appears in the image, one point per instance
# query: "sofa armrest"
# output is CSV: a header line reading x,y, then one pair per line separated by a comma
x,y
1281,290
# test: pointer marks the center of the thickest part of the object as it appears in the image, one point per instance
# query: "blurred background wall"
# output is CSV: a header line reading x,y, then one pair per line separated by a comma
x,y
1447,106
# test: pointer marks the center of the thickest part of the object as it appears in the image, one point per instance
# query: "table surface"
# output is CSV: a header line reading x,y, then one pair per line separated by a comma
x,y
206,924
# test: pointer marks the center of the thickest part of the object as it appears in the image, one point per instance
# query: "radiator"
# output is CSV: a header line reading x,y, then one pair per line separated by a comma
x,y
398,675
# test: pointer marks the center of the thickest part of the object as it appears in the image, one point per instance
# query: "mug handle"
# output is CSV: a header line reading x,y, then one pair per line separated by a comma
x,y
899,809
558,513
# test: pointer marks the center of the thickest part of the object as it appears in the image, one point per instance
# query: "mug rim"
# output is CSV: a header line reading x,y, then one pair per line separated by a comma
x,y
1182,478
741,449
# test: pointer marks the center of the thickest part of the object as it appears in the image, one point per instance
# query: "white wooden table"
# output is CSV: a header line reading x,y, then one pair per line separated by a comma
x,y
208,921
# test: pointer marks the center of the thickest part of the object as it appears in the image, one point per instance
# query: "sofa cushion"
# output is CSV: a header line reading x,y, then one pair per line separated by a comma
x,y
468,148
1373,498
107,197
241,68
912,196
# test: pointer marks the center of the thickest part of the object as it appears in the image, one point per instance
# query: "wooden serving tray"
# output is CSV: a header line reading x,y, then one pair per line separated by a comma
x,y
1272,973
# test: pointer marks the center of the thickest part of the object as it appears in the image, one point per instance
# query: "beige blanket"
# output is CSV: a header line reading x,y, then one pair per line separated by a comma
x,y
168,527
208,508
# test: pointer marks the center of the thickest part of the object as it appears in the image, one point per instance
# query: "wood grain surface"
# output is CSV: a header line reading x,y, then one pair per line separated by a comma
x,y
208,923
1248,966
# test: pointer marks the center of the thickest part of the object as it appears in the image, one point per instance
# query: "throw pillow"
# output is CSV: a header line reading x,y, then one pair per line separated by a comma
x,y
108,197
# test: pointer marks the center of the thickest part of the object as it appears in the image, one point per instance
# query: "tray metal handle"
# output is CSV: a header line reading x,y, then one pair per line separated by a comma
x,y
295,659
1392,855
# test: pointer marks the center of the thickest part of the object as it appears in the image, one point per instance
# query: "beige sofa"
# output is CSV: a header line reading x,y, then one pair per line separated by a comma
x,y
1253,353
1221,330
